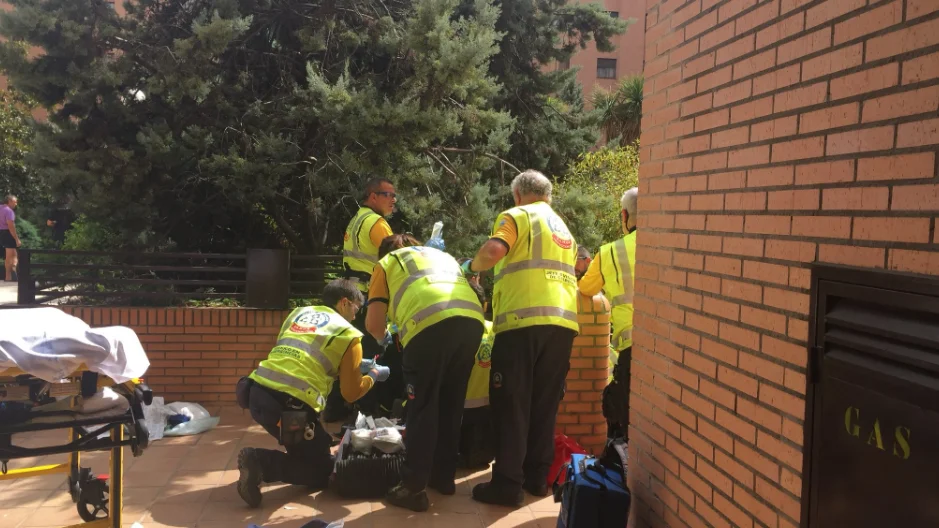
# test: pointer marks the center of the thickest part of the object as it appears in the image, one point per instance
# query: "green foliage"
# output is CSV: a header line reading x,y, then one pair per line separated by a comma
x,y
589,196
621,110
552,128
29,234
16,134
89,235
216,125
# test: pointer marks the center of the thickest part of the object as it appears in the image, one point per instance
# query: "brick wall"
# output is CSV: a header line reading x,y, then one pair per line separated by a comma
x,y
195,354
198,354
776,133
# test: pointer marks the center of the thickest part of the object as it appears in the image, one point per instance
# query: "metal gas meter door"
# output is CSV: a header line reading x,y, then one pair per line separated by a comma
x,y
872,417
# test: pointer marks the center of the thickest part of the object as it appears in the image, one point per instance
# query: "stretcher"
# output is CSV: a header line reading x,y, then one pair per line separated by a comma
x,y
54,344
21,395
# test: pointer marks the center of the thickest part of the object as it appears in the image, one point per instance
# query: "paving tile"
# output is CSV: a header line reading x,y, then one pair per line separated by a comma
x,y
189,482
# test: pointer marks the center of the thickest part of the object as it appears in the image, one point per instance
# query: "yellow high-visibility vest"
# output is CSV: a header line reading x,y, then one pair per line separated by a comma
x,y
617,262
477,391
359,254
426,286
535,283
305,361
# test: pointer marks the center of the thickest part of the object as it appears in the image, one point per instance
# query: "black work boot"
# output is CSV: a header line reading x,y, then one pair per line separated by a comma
x,y
494,493
538,488
402,497
249,478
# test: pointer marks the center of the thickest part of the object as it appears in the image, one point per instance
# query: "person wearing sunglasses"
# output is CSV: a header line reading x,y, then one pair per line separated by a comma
x,y
362,237
316,345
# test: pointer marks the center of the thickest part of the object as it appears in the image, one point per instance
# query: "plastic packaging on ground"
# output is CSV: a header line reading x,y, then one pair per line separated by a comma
x,y
156,414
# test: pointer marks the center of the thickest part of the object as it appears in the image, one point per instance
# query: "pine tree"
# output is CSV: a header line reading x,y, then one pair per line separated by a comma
x,y
552,129
219,124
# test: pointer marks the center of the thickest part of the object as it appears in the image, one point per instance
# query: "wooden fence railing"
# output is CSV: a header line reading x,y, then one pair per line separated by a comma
x,y
259,278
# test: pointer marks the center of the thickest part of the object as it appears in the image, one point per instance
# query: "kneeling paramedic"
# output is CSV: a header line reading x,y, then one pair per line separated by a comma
x,y
288,391
440,323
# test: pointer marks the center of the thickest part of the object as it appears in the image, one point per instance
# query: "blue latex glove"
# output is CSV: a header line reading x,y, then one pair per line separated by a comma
x,y
387,340
436,243
394,328
466,268
366,365
379,373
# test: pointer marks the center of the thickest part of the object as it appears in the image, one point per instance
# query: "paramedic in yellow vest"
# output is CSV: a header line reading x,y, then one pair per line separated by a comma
x,y
440,323
612,271
476,441
360,243
316,345
535,318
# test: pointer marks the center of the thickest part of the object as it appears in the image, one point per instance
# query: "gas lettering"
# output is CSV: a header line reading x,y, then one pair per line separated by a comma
x,y
871,433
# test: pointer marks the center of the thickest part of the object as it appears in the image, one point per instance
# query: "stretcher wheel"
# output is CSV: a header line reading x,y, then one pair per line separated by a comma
x,y
93,499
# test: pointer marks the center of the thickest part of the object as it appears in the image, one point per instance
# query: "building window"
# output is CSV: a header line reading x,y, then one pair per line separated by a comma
x,y
613,14
606,68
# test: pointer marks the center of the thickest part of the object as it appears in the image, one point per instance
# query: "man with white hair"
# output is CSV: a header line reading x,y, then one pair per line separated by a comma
x,y
612,272
535,321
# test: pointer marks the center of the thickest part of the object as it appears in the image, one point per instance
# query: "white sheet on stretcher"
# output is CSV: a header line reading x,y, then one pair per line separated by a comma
x,y
50,344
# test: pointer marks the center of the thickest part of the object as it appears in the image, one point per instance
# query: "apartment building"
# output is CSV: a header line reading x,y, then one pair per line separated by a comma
x,y
605,70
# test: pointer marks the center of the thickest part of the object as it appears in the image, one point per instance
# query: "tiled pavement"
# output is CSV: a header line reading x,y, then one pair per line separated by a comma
x,y
189,482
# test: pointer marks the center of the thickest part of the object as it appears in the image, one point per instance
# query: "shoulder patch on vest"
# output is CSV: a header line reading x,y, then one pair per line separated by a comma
x,y
559,233
309,322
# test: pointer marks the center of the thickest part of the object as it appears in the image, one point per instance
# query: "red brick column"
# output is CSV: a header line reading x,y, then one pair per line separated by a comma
x,y
580,415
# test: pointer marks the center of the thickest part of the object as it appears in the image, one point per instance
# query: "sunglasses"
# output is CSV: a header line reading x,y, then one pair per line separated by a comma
x,y
386,193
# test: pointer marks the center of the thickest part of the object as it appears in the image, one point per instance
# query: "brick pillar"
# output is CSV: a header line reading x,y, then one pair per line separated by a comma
x,y
580,415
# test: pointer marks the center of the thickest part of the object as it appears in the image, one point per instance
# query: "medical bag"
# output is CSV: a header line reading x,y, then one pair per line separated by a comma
x,y
592,495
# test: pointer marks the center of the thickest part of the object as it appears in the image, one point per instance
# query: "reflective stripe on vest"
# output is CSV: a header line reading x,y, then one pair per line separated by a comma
x,y
314,350
356,251
415,273
626,274
355,257
290,381
437,308
359,255
536,311
537,260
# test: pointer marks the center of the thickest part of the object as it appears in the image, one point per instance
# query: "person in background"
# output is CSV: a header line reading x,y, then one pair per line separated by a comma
x,y
422,291
360,244
583,262
9,240
535,319
60,220
476,444
612,271
316,345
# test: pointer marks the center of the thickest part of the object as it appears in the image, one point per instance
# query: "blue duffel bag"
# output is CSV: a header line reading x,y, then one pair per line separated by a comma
x,y
592,496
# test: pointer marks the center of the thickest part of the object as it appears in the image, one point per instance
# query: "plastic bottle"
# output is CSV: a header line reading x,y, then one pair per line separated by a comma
x,y
436,237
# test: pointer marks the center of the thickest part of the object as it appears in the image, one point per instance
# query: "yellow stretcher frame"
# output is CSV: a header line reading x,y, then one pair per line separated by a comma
x,y
137,393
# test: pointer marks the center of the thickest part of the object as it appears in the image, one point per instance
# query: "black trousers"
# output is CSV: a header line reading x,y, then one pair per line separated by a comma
x,y
437,365
335,404
476,443
529,366
307,463
616,397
